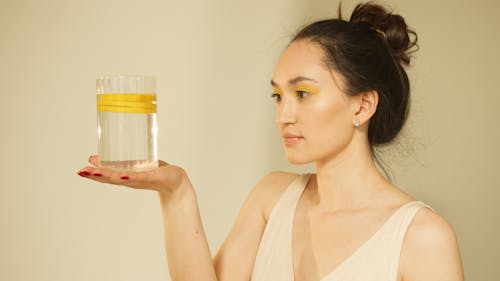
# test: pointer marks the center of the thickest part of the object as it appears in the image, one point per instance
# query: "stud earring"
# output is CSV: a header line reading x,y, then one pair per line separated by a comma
x,y
356,123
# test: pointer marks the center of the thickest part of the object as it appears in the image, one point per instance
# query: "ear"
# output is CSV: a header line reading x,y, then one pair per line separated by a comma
x,y
366,105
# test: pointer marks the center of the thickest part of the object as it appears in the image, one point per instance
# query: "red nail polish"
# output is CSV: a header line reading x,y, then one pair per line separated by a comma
x,y
84,173
124,177
97,175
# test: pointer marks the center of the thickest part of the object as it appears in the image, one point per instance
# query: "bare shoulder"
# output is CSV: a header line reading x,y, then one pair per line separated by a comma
x,y
430,250
269,189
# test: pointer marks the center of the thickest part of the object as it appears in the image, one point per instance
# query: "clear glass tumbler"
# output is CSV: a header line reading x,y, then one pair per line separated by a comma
x,y
127,125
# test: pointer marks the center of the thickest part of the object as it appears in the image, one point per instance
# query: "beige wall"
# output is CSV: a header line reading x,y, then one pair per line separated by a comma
x,y
213,60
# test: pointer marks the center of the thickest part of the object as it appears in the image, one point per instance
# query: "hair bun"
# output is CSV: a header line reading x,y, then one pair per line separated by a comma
x,y
401,40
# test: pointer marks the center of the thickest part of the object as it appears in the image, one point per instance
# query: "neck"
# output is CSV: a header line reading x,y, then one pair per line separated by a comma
x,y
348,180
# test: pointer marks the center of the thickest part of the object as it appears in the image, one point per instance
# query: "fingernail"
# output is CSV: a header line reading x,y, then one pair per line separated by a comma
x,y
84,173
97,175
124,177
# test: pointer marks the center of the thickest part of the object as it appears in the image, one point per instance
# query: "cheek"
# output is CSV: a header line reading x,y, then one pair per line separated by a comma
x,y
329,120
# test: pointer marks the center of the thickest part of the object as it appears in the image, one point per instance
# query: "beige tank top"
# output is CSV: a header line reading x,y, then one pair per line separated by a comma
x,y
375,260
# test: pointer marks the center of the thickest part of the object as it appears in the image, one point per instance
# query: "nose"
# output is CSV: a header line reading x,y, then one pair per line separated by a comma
x,y
286,112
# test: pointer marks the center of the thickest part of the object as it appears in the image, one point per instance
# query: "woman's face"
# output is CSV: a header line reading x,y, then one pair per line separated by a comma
x,y
314,116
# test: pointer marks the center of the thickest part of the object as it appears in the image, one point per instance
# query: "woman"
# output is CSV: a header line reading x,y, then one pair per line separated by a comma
x,y
340,90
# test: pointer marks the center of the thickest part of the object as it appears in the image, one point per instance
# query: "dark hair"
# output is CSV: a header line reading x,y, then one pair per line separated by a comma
x,y
369,52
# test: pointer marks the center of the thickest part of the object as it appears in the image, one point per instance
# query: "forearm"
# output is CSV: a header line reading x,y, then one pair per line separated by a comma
x,y
188,254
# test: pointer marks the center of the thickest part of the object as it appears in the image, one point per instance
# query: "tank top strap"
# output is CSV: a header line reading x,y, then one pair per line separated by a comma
x,y
273,256
379,256
289,199
389,241
403,217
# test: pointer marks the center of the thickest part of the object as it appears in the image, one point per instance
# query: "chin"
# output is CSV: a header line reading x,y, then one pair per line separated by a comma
x,y
295,159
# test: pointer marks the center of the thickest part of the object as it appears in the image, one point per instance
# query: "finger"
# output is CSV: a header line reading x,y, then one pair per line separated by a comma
x,y
137,180
90,172
85,172
162,178
109,176
102,175
166,177
94,160
151,179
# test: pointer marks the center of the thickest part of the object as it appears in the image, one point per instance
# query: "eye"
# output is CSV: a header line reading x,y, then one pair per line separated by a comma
x,y
303,91
301,94
276,97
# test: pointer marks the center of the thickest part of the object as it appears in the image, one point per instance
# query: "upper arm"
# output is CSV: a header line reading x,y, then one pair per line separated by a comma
x,y
430,250
235,259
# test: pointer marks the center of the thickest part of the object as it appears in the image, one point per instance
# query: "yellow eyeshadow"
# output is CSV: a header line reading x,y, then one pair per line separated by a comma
x,y
306,88
277,91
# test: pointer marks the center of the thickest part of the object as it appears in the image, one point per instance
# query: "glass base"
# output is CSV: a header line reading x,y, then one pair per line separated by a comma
x,y
131,165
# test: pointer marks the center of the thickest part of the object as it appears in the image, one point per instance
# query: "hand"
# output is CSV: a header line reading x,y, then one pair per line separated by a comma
x,y
164,179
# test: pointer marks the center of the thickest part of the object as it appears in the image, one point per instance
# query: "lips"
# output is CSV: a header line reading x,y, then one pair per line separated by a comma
x,y
291,139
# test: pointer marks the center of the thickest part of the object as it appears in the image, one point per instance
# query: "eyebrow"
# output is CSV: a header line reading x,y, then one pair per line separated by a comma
x,y
295,80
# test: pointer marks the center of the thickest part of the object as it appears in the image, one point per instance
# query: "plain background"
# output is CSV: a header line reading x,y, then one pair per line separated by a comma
x,y
213,60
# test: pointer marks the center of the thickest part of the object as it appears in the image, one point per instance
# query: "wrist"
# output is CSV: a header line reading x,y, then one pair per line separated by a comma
x,y
184,192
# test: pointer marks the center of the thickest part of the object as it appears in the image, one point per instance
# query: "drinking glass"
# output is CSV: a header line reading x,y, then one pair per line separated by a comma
x,y
127,124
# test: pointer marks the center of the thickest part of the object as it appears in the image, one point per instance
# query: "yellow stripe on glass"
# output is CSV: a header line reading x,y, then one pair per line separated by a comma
x,y
127,103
